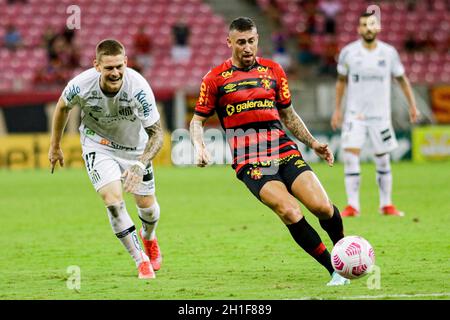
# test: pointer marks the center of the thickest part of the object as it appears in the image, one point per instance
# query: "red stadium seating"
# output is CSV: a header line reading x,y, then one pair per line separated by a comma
x,y
396,22
119,19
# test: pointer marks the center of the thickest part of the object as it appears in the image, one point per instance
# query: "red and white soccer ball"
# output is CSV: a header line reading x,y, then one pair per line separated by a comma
x,y
352,257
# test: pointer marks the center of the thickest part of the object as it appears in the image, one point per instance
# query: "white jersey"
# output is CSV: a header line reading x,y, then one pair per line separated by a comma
x,y
369,79
117,121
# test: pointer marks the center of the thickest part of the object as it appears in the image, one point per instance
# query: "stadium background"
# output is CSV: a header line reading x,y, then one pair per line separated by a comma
x,y
296,32
32,79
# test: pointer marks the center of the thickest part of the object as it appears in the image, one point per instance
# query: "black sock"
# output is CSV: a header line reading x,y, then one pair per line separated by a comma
x,y
334,226
310,241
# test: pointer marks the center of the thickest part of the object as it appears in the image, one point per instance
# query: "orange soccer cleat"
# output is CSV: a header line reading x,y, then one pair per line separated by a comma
x,y
349,211
146,271
391,210
152,250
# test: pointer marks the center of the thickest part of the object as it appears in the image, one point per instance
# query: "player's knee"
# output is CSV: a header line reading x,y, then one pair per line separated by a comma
x,y
144,201
110,199
150,213
288,212
111,194
322,210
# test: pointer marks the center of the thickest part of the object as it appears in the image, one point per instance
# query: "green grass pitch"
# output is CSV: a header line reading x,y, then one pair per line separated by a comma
x,y
217,240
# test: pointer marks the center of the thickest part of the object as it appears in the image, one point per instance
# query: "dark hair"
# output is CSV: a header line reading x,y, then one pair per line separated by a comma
x,y
366,14
242,24
109,47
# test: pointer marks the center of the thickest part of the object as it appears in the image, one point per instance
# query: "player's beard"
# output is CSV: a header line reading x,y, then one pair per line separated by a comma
x,y
248,61
369,37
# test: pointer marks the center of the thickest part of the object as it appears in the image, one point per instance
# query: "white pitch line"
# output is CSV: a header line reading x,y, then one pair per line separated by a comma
x,y
417,295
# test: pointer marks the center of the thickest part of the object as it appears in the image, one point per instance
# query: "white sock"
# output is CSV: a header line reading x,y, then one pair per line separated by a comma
x,y
125,231
384,178
149,218
352,178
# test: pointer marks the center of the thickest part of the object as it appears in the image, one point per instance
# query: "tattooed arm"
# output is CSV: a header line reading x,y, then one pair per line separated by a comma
x,y
196,133
297,127
133,175
154,144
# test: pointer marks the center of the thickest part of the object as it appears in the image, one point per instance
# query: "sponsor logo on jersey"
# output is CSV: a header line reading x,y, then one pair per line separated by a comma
x,y
93,97
231,87
141,98
94,108
382,63
203,97
116,146
227,74
89,132
266,104
248,83
285,93
72,92
262,69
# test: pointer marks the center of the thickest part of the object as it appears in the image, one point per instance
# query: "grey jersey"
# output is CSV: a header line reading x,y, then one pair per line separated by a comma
x,y
120,119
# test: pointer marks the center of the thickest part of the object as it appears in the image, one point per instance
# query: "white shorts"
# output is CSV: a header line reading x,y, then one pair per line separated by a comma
x,y
381,135
105,165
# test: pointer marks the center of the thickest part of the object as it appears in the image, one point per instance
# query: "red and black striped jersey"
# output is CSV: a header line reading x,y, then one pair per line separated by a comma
x,y
247,103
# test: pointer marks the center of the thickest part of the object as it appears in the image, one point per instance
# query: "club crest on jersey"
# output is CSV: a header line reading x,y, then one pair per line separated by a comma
x,y
227,74
265,83
255,173
382,63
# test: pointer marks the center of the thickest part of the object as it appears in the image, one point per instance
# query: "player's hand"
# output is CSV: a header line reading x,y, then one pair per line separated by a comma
x,y
55,155
324,152
203,157
336,120
414,114
132,177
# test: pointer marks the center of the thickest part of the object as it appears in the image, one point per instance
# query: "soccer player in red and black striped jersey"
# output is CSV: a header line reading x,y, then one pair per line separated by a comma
x,y
252,99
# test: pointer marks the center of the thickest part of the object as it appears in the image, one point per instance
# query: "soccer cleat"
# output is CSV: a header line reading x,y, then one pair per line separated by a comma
x,y
146,271
391,210
349,211
152,250
338,280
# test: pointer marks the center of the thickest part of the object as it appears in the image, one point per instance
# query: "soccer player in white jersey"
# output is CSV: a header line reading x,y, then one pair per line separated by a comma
x,y
366,67
120,134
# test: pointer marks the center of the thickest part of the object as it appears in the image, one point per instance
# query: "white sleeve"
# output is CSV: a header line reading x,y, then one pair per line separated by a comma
x,y
147,111
71,94
342,66
397,68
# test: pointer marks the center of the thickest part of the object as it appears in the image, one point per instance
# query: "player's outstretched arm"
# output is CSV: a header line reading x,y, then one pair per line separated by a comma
x,y
60,117
297,127
414,113
133,175
196,133
336,118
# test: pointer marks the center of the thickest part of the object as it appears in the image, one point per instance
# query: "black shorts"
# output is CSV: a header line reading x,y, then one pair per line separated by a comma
x,y
286,170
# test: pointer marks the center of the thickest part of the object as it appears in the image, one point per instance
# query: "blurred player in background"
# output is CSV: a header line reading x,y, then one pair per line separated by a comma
x,y
251,96
366,66
120,134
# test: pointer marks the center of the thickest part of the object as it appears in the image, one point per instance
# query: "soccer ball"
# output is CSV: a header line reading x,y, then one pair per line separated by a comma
x,y
352,257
